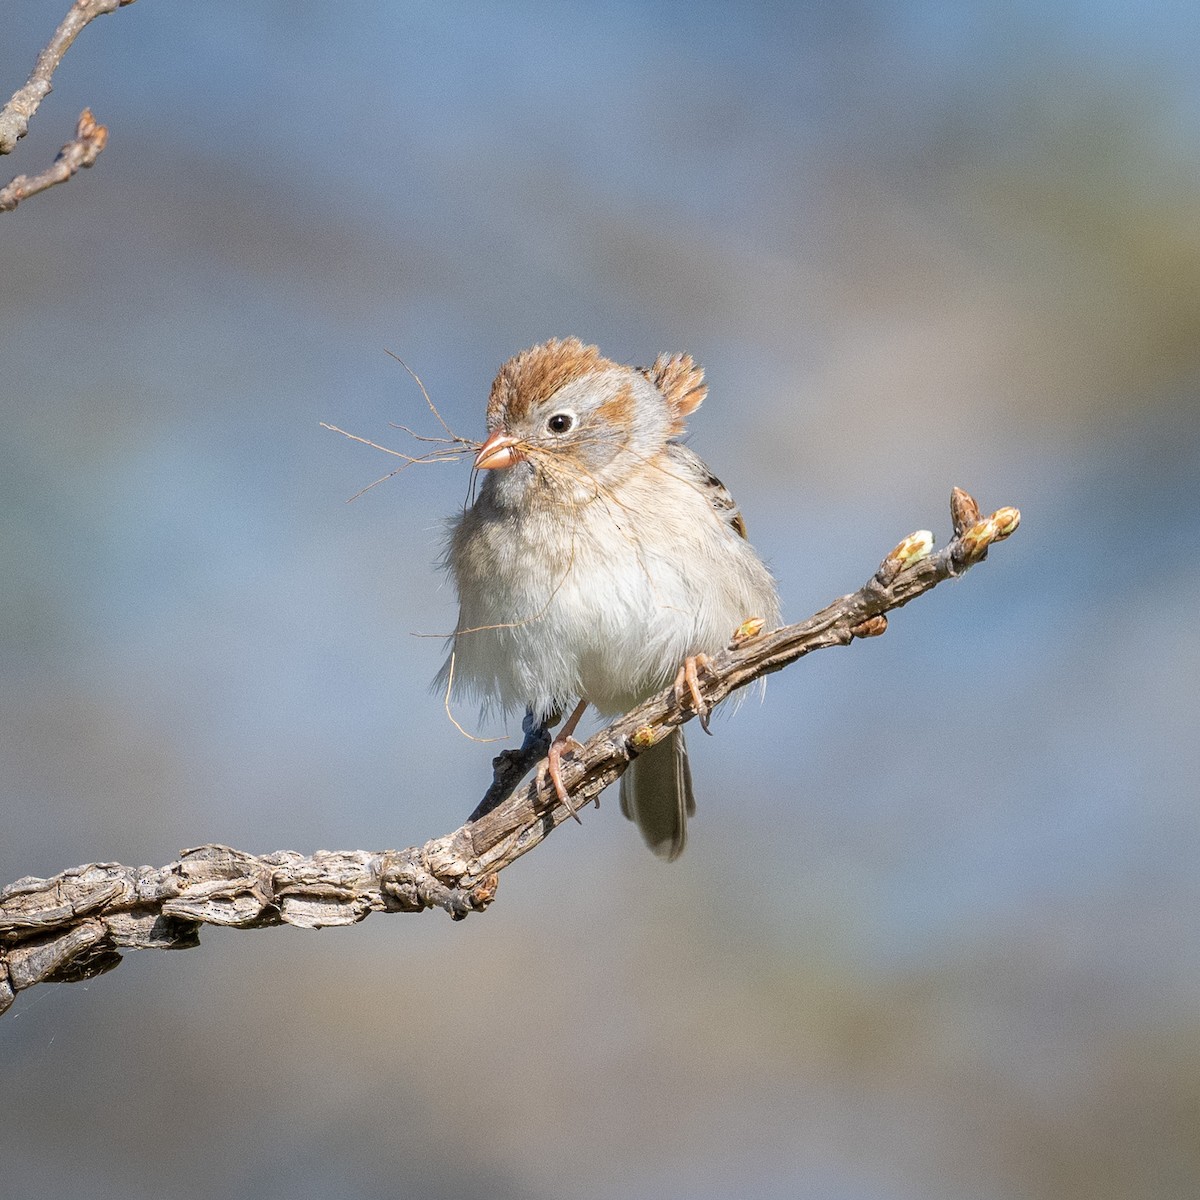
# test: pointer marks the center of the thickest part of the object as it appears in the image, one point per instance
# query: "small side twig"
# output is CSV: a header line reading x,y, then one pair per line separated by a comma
x,y
76,925
81,151
509,767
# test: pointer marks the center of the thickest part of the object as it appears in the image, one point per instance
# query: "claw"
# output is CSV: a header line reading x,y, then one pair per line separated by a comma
x,y
551,769
552,766
687,687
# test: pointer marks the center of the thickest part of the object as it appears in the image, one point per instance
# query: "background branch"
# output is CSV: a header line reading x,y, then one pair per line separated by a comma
x,y
18,112
75,925
81,151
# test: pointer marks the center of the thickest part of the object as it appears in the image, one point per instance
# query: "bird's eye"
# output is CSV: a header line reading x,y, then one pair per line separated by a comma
x,y
561,422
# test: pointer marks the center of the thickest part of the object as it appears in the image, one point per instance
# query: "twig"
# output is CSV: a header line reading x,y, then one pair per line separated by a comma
x,y
18,112
75,925
81,151
509,767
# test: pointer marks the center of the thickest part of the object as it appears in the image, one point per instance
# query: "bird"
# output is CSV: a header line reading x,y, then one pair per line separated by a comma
x,y
600,561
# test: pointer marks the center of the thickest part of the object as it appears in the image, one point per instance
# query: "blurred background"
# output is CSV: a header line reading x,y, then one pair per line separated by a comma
x,y
935,934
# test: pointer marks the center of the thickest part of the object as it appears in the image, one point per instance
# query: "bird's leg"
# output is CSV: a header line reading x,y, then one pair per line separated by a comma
x,y
687,682
552,767
687,687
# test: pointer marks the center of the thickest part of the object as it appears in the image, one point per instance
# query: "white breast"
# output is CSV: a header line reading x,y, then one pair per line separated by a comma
x,y
603,602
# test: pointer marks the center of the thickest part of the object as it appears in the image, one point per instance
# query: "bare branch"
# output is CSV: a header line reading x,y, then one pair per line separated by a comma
x,y
17,113
83,150
75,925
15,116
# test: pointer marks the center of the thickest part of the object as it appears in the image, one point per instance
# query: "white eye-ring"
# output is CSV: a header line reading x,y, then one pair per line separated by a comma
x,y
561,422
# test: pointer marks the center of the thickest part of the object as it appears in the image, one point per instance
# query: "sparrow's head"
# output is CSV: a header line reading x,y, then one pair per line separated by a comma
x,y
561,417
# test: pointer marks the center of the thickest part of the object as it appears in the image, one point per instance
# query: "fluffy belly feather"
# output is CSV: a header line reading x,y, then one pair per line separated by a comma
x,y
613,634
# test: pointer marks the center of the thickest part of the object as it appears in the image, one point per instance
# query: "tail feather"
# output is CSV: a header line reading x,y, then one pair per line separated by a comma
x,y
656,795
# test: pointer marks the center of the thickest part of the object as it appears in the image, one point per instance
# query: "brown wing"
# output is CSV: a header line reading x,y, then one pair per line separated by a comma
x,y
692,466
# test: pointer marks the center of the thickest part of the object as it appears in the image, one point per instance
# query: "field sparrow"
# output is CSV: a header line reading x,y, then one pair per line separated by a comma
x,y
601,560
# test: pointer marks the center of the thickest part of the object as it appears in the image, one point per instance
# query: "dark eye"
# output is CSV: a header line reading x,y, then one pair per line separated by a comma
x,y
561,422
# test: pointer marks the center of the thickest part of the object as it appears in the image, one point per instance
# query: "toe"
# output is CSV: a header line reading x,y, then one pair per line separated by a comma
x,y
553,769
687,682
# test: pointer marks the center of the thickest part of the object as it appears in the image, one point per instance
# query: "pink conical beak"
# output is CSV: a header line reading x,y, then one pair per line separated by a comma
x,y
499,451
